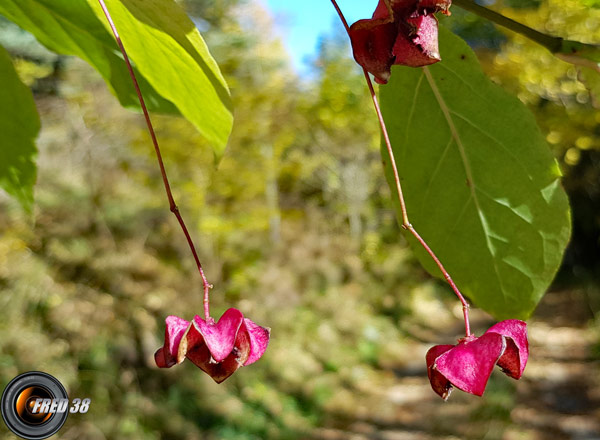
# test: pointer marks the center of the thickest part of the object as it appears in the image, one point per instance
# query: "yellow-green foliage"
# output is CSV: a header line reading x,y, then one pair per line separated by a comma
x,y
295,228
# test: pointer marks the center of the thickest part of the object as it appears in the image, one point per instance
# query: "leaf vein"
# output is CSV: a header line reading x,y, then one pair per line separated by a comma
x,y
436,170
453,131
411,113
495,140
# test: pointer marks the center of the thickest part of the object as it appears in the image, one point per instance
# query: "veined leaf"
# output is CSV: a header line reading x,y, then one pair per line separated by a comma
x,y
175,70
19,126
480,183
169,51
72,28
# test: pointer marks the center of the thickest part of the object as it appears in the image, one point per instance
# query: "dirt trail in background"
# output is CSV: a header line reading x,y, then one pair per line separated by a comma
x,y
557,398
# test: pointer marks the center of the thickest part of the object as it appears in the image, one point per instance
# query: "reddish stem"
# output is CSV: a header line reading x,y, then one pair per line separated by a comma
x,y
465,304
172,205
405,222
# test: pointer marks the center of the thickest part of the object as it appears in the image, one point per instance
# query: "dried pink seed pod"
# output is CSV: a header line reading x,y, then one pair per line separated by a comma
x,y
469,364
219,349
400,32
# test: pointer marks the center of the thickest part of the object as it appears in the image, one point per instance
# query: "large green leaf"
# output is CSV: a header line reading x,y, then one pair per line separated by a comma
x,y
480,183
175,69
169,51
19,126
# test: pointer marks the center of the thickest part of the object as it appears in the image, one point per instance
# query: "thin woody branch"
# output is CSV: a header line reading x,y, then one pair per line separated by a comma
x,y
574,52
172,205
405,221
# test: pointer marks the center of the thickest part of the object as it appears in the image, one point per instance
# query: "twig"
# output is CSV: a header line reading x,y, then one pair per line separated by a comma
x,y
172,205
574,52
551,43
405,222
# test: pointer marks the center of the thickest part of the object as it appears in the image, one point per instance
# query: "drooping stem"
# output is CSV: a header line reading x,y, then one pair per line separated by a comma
x,y
405,222
388,144
172,205
463,301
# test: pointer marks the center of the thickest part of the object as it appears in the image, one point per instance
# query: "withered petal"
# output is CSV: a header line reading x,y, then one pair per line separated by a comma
x,y
439,383
469,364
259,339
169,354
200,355
372,43
220,337
401,32
515,357
382,10
417,43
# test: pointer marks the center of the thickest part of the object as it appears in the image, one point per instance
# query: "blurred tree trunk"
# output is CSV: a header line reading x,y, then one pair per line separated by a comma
x,y
355,182
272,193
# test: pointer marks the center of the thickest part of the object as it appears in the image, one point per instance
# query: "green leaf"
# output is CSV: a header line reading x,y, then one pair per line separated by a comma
x,y
72,28
19,125
175,70
169,51
480,183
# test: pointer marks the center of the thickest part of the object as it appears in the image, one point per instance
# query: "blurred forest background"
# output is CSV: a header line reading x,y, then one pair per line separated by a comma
x,y
296,229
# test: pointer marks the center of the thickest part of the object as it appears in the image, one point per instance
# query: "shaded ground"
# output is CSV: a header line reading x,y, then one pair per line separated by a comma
x,y
558,397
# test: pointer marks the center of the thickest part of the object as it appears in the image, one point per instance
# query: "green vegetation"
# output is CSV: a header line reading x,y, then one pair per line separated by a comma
x,y
296,227
492,182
